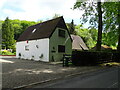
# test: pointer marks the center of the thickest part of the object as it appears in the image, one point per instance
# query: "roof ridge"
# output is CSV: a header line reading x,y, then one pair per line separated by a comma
x,y
48,20
53,19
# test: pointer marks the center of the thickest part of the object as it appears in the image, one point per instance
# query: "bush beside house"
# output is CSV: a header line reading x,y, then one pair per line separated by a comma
x,y
6,52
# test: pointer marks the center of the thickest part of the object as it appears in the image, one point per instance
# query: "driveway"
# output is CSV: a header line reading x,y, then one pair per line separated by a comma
x,y
18,72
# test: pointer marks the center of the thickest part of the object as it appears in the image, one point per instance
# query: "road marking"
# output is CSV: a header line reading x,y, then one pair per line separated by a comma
x,y
113,85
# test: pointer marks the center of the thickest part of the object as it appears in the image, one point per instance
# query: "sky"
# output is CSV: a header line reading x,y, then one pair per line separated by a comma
x,y
35,10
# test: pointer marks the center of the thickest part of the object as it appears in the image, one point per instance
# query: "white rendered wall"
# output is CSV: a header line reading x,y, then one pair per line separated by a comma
x,y
43,48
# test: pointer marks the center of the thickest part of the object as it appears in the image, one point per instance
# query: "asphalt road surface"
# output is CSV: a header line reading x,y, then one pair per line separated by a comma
x,y
107,78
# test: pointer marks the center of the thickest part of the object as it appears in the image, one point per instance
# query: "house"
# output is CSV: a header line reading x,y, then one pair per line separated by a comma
x,y
46,41
78,43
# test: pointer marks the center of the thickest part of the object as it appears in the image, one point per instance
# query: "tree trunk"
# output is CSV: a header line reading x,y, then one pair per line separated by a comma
x,y
118,47
99,40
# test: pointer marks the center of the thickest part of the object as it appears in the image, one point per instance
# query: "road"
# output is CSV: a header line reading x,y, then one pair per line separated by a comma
x,y
107,78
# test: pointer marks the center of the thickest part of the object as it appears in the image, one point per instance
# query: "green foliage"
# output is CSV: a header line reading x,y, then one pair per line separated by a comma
x,y
93,33
10,30
5,52
90,12
93,14
1,33
110,16
89,35
20,26
110,38
17,28
7,34
110,19
0,52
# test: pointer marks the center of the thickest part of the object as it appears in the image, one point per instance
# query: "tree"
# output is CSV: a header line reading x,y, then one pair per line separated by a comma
x,y
92,10
7,34
89,36
94,32
20,26
110,38
111,21
1,34
17,28
99,40
118,17
72,27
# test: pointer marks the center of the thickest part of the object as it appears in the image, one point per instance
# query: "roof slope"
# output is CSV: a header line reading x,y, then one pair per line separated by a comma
x,y
78,43
103,47
42,30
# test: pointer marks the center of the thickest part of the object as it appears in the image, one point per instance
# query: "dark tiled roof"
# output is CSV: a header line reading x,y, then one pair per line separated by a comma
x,y
42,30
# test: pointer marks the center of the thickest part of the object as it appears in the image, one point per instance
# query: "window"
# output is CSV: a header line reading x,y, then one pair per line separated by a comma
x,y
61,48
27,47
34,30
61,33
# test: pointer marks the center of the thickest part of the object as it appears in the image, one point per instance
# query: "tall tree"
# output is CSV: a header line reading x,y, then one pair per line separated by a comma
x,y
7,34
17,28
118,17
1,34
99,40
72,27
111,21
93,11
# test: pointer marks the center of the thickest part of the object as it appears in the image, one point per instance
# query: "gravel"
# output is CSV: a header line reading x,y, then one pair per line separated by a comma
x,y
18,72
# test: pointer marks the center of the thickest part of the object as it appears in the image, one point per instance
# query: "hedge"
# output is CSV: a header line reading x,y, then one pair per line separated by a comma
x,y
92,58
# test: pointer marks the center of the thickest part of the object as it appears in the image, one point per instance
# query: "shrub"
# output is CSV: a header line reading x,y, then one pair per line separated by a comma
x,y
116,56
0,52
5,52
15,53
90,58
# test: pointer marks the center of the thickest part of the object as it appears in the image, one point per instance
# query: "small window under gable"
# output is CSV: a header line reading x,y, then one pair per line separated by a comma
x,y
61,33
27,47
34,30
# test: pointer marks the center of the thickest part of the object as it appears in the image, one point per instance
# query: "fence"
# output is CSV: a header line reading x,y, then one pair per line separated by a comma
x,y
66,59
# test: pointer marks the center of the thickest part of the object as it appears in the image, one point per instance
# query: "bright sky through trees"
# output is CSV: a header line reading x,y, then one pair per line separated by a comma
x,y
34,10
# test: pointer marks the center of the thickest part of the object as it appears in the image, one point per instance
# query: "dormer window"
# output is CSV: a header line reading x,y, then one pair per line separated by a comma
x,y
34,30
61,33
